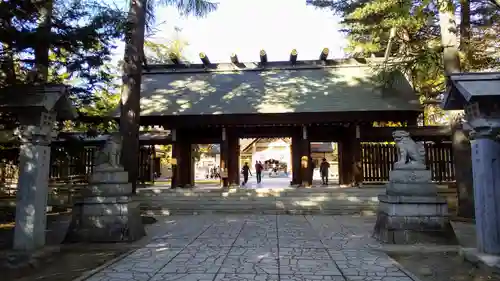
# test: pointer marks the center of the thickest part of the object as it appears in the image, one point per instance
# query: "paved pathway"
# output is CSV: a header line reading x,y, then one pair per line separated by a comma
x,y
262,248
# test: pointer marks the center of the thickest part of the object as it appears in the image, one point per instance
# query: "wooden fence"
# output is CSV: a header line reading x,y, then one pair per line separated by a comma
x,y
76,165
378,159
70,164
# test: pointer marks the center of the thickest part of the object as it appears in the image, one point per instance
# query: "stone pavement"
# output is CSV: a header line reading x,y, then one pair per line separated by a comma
x,y
258,247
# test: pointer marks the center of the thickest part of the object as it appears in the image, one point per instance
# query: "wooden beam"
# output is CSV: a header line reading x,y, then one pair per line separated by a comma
x,y
417,133
285,119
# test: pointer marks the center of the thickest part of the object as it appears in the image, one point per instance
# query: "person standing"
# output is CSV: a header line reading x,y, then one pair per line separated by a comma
x,y
258,171
245,171
323,169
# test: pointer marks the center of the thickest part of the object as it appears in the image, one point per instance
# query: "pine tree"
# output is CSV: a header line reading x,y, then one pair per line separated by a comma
x,y
418,43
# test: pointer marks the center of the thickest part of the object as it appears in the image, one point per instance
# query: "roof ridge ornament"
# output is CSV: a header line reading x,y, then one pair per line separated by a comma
x,y
324,54
263,57
293,56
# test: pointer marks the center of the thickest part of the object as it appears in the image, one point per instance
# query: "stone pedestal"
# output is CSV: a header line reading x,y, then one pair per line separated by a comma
x,y
411,181
411,212
106,211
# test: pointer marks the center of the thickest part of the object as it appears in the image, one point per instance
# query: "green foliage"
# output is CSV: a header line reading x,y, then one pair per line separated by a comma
x,y
417,49
79,43
160,53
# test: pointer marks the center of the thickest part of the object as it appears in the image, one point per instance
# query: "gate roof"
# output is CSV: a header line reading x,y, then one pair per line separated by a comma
x,y
279,87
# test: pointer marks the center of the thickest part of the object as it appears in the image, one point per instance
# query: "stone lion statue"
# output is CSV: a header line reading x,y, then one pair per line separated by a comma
x,y
410,153
109,155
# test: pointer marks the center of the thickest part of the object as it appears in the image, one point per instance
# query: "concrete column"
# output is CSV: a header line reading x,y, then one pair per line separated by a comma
x,y
486,174
32,188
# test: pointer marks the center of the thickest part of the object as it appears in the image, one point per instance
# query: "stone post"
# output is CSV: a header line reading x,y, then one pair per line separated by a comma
x,y
485,148
32,188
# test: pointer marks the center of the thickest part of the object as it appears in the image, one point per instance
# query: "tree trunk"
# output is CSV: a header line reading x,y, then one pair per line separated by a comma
x,y
131,89
462,161
42,47
449,36
465,30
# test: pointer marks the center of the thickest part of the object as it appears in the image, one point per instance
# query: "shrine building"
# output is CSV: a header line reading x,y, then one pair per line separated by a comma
x,y
307,101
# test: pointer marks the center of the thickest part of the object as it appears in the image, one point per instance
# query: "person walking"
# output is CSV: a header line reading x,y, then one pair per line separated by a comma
x,y
258,171
323,169
245,171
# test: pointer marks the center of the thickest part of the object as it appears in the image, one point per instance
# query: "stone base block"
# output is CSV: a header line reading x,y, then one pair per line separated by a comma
x,y
435,206
490,262
411,189
111,219
412,220
109,176
410,176
106,189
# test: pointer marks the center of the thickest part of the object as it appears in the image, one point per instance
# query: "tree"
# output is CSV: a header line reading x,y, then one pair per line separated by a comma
x,y
418,48
71,41
140,13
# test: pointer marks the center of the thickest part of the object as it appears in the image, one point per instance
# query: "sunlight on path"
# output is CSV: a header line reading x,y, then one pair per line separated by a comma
x,y
258,247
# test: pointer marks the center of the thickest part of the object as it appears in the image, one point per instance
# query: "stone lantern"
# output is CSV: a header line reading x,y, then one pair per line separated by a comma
x,y
479,95
36,110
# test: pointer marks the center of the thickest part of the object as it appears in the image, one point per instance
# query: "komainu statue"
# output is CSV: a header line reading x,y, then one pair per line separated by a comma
x,y
410,152
109,155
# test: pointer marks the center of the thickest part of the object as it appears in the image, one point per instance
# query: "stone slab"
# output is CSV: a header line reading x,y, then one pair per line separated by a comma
x,y
168,258
490,262
414,229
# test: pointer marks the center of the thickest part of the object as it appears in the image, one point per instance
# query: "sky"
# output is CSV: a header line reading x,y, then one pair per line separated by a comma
x,y
245,27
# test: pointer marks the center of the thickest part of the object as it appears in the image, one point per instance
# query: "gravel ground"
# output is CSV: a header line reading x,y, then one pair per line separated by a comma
x,y
443,267
63,266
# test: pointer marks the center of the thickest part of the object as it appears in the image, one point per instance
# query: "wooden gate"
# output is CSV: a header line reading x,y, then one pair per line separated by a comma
x,y
378,159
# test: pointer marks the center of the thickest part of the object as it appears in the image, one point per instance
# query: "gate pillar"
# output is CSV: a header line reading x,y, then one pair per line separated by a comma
x,y
301,148
350,167
182,175
229,158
